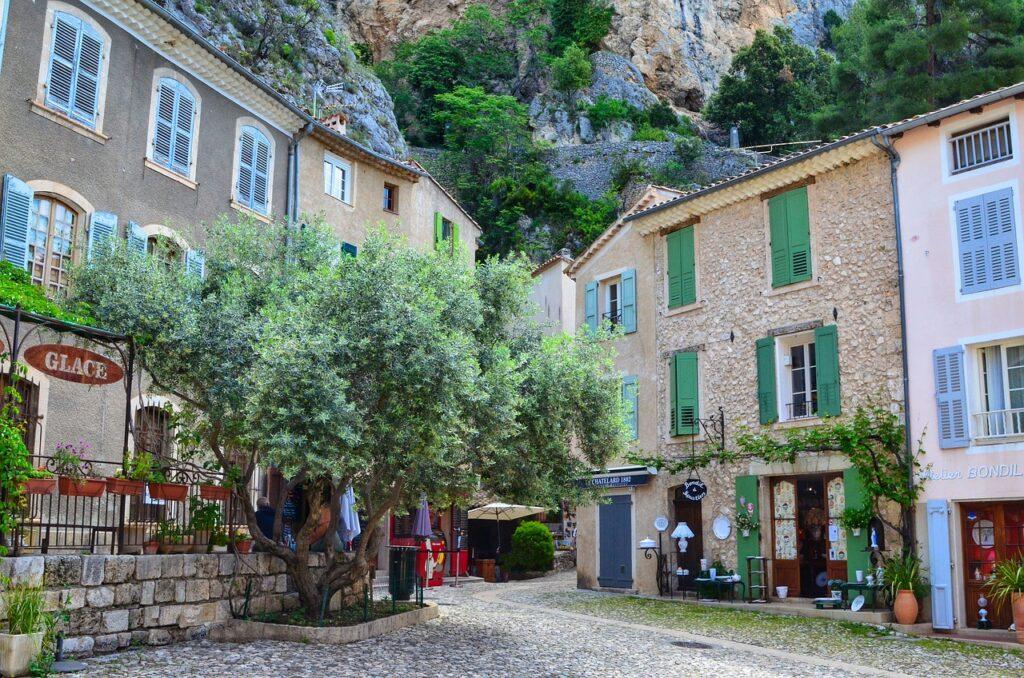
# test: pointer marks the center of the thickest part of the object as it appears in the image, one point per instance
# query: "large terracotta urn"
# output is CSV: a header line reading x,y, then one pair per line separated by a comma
x,y
905,607
1018,615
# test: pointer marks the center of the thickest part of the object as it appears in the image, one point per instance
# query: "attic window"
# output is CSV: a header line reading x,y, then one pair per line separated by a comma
x,y
981,146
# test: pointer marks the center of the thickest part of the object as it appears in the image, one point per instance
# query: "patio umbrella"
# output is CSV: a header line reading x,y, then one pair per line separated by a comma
x,y
348,525
496,511
421,525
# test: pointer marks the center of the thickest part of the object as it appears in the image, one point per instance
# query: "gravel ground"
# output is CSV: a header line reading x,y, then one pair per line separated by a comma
x,y
488,630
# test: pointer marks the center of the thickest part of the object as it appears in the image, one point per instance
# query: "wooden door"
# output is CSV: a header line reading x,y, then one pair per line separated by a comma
x,y
688,512
990,532
615,547
785,565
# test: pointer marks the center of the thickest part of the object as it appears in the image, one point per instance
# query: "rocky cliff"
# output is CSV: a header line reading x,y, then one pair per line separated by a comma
x,y
681,47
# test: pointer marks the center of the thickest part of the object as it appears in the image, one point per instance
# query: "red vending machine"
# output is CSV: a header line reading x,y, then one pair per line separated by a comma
x,y
436,548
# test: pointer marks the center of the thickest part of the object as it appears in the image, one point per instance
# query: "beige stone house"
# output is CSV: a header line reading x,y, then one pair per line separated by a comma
x,y
764,302
554,294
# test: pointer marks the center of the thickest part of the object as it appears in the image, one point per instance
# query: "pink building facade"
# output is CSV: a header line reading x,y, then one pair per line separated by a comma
x,y
959,183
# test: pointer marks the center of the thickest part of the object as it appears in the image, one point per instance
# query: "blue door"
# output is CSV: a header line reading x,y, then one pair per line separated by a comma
x,y
615,565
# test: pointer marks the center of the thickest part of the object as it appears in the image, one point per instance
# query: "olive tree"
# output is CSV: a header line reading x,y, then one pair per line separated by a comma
x,y
398,372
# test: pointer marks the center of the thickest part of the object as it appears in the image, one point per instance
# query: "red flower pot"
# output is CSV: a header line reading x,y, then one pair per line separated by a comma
x,y
150,548
214,492
126,487
39,485
243,546
86,487
168,491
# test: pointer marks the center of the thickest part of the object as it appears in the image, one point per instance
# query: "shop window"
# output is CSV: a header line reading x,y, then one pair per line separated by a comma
x,y
52,236
1000,386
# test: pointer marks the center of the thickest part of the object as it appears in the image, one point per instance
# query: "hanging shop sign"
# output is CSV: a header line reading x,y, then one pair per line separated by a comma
x,y
631,480
694,489
72,363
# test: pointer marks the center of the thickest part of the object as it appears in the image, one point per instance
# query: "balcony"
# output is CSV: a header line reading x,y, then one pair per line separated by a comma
x,y
999,424
614,317
802,409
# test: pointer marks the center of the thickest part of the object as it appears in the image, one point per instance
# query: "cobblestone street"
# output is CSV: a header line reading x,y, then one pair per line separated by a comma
x,y
523,629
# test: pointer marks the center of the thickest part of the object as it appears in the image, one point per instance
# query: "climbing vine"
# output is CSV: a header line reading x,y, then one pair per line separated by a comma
x,y
14,465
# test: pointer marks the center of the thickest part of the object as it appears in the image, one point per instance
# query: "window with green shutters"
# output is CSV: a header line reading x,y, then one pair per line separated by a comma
x,y
767,398
790,230
826,344
446,233
682,268
800,372
685,394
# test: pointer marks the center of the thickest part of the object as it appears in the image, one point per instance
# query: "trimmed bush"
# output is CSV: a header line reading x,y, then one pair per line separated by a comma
x,y
533,548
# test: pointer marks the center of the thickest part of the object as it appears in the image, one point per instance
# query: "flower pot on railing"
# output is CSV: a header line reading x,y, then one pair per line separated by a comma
x,y
123,486
85,487
214,492
39,485
172,548
168,491
150,547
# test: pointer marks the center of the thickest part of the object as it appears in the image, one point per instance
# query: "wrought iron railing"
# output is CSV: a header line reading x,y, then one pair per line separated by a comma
x,y
999,423
614,317
64,519
802,409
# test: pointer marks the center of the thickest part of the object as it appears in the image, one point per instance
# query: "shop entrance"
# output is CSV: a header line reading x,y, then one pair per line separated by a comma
x,y
615,545
809,547
991,532
688,511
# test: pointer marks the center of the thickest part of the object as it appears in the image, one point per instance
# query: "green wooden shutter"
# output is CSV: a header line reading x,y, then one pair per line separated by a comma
x,y
799,232
629,300
779,231
826,352
590,305
629,400
686,406
766,391
438,229
15,218
746,488
682,274
858,557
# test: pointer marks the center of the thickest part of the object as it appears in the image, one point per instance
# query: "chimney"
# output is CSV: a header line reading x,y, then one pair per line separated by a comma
x,y
337,122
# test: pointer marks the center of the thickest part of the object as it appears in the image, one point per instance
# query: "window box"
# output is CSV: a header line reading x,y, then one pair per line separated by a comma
x,y
86,487
125,487
39,485
214,492
168,491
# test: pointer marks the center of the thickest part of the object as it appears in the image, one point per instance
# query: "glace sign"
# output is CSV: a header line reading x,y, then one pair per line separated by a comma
x,y
71,363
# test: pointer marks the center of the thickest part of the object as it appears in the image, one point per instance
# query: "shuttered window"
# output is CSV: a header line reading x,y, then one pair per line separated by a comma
x,y
174,126
684,391
590,305
16,206
987,242
254,158
826,348
73,76
682,270
789,226
51,242
4,8
337,178
767,398
951,397
629,401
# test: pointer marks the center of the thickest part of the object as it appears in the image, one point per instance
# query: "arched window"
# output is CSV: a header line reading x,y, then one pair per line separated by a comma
x,y
175,116
252,188
164,248
51,242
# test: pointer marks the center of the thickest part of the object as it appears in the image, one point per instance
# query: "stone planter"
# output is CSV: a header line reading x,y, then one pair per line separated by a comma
x,y
905,607
168,491
214,492
86,487
123,486
39,485
17,651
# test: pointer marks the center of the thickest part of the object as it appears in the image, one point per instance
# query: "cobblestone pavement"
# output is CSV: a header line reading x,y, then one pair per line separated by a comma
x,y
485,630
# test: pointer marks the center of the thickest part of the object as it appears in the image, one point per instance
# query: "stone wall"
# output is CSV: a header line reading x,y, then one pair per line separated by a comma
x,y
117,601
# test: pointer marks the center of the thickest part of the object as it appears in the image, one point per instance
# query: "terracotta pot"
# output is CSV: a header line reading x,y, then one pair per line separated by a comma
x,y
17,650
150,547
243,546
214,492
168,491
125,487
1018,615
39,485
87,487
905,607
175,548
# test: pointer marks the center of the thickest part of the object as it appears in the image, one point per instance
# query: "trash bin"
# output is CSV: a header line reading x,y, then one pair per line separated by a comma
x,y
402,572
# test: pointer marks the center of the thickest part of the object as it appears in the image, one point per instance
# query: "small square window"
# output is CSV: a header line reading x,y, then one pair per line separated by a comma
x,y
390,198
337,178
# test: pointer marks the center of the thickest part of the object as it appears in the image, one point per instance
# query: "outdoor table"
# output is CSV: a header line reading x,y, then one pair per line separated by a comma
x,y
863,586
722,584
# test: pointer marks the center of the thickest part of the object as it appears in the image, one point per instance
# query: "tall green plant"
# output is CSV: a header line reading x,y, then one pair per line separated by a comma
x,y
903,573
533,548
24,608
14,462
1006,581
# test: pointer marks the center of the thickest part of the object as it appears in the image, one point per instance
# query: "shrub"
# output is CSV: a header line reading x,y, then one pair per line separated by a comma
x,y
647,133
605,111
331,37
533,548
661,115
24,609
572,71
16,289
689,149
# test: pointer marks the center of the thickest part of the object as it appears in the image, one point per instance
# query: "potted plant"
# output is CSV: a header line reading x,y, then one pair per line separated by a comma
x,y
71,467
150,547
205,518
242,540
219,540
903,578
855,519
222,490
26,624
171,538
39,481
159,488
131,479
746,522
1006,583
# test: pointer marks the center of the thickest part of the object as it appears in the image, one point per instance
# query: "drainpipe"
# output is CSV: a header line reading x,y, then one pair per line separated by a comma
x,y
894,162
292,197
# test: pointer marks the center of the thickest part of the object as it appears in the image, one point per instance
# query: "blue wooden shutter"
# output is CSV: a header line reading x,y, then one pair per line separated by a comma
x,y
184,125
163,126
939,566
246,166
60,81
102,231
1001,239
137,239
629,400
15,216
87,76
3,29
951,397
261,173
195,263
590,305
629,300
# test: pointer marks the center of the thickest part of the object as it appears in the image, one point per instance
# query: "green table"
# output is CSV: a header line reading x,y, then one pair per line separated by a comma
x,y
875,589
721,585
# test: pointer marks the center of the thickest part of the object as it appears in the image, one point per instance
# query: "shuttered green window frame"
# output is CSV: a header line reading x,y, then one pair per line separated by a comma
x,y
826,351
790,232
628,300
685,394
682,268
767,395
590,305
630,402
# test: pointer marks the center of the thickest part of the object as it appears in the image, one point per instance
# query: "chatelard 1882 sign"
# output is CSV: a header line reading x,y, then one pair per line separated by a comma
x,y
72,363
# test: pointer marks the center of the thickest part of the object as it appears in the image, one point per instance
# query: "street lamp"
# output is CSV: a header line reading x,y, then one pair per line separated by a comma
x,y
653,548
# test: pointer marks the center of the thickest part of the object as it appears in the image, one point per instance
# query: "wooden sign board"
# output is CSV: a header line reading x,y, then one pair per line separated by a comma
x,y
72,363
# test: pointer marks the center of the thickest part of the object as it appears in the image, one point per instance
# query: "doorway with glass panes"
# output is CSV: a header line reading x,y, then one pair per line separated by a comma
x,y
808,547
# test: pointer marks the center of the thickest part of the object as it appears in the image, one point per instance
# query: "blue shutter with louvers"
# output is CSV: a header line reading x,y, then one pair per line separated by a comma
x,y
15,215
102,231
987,242
87,76
253,170
590,305
195,263
163,126
184,119
951,397
60,81
137,239
939,566
629,400
246,146
629,300
174,125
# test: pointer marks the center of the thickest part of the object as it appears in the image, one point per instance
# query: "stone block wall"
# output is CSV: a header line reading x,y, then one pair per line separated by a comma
x,y
117,601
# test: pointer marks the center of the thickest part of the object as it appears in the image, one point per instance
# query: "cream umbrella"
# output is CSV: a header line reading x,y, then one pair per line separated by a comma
x,y
497,511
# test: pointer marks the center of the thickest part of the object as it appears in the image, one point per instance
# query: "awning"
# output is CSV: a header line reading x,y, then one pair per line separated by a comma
x,y
619,476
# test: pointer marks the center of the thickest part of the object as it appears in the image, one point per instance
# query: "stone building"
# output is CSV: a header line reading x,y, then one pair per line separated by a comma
x,y
763,302
554,294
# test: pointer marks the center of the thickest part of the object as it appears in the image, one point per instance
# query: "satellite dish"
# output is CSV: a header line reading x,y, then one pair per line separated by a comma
x,y
661,523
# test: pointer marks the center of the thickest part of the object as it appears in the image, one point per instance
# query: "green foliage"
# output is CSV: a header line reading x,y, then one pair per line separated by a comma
x,y
332,38
139,466
24,608
533,548
16,289
830,22
168,532
606,110
645,132
572,71
583,22
772,90
203,515
364,55
857,517
1006,581
14,461
903,573
747,521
